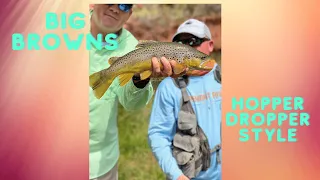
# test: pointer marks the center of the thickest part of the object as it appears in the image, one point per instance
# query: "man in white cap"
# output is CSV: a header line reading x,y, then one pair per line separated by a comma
x,y
179,156
196,34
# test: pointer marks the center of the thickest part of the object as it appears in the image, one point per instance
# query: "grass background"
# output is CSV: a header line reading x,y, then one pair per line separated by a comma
x,y
136,159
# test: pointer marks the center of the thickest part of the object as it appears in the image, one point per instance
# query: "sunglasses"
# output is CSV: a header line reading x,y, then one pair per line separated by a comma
x,y
194,41
124,7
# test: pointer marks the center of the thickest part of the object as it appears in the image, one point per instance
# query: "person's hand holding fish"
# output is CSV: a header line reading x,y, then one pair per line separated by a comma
x,y
167,69
154,60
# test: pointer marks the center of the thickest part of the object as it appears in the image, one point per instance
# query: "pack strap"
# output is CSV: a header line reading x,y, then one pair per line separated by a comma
x,y
182,82
217,150
186,105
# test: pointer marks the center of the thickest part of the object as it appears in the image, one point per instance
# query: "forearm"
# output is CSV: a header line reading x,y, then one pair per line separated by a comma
x,y
140,83
162,127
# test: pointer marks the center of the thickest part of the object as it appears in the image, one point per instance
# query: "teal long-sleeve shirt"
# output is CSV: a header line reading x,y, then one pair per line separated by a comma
x,y
103,114
206,101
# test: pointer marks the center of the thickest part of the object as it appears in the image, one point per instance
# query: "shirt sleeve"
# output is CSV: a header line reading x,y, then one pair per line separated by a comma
x,y
161,131
133,98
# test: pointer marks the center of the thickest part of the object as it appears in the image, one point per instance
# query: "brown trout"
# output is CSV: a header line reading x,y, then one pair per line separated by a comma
x,y
139,61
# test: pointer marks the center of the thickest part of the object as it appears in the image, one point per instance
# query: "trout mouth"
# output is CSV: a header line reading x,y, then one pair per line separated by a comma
x,y
207,65
202,65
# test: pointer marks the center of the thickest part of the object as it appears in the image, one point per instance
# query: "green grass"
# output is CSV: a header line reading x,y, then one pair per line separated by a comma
x,y
136,159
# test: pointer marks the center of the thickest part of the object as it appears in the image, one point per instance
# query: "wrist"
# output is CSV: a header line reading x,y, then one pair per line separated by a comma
x,y
140,83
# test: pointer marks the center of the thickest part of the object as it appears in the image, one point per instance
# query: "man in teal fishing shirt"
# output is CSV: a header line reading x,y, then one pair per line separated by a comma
x,y
204,95
103,141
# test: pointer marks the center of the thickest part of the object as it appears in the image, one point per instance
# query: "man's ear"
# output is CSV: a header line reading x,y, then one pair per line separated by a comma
x,y
211,45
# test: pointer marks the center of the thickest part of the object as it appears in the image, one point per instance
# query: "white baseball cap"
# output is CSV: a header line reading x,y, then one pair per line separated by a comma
x,y
194,27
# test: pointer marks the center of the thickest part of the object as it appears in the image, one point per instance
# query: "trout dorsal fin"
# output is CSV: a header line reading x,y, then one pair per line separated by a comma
x,y
112,60
144,43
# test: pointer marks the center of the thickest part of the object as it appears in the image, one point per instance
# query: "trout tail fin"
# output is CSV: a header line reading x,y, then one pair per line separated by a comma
x,y
100,84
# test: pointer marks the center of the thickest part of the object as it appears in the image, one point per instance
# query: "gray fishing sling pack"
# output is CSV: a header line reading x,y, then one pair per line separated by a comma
x,y
217,74
190,144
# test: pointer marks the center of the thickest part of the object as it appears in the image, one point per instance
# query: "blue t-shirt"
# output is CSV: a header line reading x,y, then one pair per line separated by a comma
x,y
205,94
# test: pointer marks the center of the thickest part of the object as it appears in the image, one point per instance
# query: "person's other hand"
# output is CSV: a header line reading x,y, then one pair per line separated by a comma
x,y
167,69
183,177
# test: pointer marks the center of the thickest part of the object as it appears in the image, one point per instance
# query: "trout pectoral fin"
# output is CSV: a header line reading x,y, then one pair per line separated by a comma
x,y
125,78
178,68
145,74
